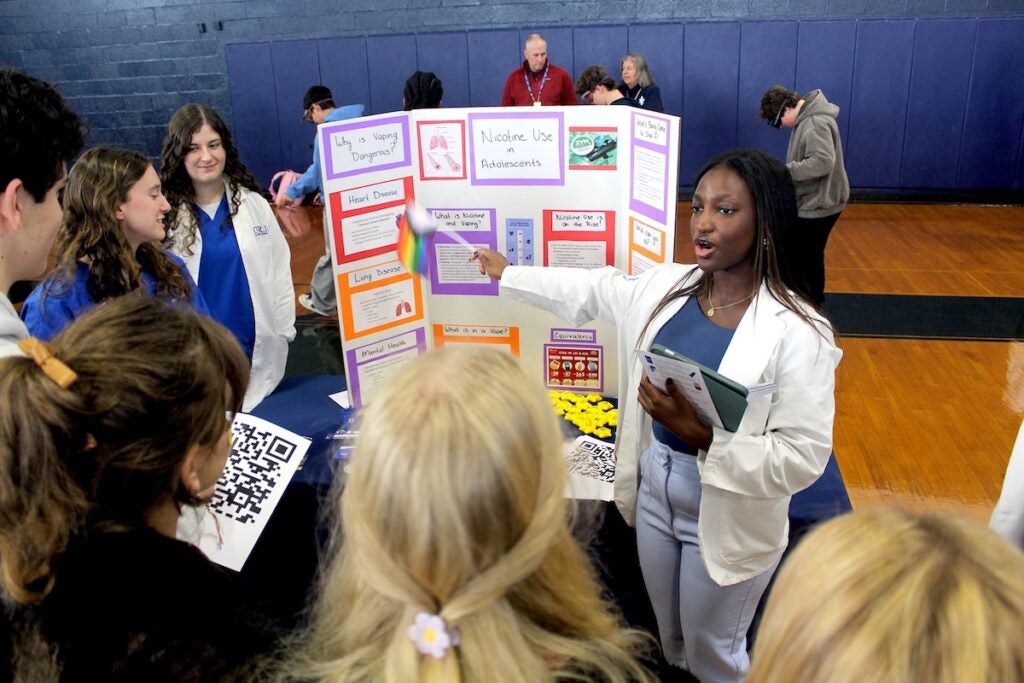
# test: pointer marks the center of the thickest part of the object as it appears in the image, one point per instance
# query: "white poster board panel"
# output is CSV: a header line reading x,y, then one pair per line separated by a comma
x,y
579,187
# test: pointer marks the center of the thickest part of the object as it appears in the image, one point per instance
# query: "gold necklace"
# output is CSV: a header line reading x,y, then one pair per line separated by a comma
x,y
712,308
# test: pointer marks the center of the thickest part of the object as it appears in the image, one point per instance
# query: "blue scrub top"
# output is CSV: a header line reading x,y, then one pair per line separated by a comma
x,y
690,333
46,316
222,278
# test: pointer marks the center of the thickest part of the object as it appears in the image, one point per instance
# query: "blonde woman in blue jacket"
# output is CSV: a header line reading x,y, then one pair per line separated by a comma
x,y
711,506
231,242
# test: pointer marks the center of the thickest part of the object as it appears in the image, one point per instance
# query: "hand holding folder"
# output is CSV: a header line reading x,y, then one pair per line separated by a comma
x,y
718,400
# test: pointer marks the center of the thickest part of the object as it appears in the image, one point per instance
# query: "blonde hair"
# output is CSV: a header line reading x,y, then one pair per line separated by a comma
x,y
885,595
454,507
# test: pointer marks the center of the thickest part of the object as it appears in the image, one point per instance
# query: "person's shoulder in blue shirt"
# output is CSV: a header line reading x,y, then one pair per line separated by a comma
x,y
56,302
346,111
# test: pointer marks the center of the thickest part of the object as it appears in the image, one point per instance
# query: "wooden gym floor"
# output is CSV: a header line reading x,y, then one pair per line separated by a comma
x,y
929,304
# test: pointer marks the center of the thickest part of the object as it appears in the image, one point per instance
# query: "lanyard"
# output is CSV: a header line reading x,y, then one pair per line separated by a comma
x,y
526,77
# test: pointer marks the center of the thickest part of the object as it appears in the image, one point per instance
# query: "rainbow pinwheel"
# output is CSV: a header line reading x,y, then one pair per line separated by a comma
x,y
415,226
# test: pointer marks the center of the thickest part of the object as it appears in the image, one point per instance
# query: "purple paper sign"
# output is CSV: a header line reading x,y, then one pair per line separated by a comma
x,y
573,335
650,144
364,146
517,148
451,271
371,363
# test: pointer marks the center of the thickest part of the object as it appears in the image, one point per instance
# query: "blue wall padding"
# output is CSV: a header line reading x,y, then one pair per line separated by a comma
x,y
824,60
711,56
767,57
995,108
925,104
492,54
294,61
393,59
662,46
344,69
937,105
448,54
604,45
254,103
878,109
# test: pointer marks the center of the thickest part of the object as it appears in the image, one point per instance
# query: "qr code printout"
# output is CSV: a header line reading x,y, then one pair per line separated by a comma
x,y
592,458
258,458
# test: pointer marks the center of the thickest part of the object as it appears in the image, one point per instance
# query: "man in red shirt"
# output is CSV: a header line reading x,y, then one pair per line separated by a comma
x,y
536,82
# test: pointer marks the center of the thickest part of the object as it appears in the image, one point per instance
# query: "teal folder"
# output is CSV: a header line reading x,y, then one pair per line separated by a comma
x,y
729,396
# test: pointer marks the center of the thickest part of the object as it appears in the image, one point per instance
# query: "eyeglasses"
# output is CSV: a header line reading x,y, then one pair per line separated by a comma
x,y
588,97
777,121
307,113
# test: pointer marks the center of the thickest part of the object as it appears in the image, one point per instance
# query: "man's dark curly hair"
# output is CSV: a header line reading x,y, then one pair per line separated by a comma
x,y
38,133
774,99
591,76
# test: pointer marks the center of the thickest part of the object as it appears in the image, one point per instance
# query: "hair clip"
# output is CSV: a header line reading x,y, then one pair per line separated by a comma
x,y
431,636
55,369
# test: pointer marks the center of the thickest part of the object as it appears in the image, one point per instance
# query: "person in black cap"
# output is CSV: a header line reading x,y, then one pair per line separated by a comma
x,y
318,107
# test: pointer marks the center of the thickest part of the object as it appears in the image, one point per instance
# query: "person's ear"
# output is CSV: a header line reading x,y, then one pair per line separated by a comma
x,y
10,212
119,213
189,473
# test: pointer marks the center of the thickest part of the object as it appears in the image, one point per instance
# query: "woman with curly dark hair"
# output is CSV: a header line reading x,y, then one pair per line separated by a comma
x,y
230,240
108,243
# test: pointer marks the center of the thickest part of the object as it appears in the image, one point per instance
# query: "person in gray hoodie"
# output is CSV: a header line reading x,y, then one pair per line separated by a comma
x,y
815,160
39,134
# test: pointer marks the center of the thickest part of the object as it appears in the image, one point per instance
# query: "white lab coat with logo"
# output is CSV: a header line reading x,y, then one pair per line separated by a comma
x,y
267,261
783,441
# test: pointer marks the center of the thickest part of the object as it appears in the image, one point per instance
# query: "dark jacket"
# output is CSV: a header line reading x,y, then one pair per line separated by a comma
x,y
138,606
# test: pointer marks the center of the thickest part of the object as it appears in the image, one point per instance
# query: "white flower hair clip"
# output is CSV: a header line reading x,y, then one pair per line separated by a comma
x,y
431,636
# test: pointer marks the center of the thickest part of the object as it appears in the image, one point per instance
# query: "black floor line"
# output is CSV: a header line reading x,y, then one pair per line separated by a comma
x,y
927,317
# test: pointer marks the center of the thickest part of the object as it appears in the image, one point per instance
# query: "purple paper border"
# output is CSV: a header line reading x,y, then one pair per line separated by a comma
x,y
544,365
591,334
471,118
651,212
352,367
325,141
489,238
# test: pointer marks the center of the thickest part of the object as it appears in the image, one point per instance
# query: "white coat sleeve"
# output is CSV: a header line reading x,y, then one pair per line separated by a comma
x,y
283,296
575,295
795,445
1008,515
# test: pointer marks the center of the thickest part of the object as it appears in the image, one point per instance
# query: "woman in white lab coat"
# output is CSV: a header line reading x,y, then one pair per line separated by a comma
x,y
231,242
711,506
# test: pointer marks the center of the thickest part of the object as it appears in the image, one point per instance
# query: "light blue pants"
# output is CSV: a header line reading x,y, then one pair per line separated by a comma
x,y
703,626
321,283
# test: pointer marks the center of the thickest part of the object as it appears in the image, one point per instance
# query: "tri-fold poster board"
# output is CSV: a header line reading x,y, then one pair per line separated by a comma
x,y
581,187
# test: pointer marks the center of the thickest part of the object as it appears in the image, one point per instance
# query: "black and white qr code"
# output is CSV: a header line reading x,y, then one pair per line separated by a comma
x,y
253,469
593,459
